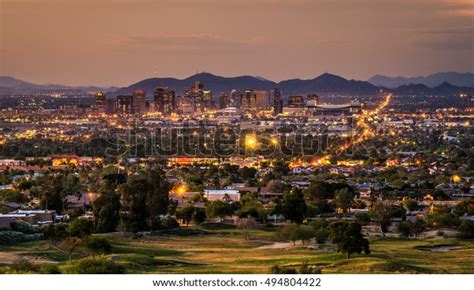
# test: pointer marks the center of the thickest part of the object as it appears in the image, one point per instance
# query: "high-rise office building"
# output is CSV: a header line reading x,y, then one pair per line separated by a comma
x,y
185,105
234,99
249,100
110,107
139,101
312,100
100,99
467,99
277,102
208,101
196,94
101,102
296,102
224,100
261,100
165,101
124,104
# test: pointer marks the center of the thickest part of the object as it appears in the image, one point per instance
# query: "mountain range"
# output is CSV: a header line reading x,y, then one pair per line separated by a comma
x,y
454,78
10,85
324,85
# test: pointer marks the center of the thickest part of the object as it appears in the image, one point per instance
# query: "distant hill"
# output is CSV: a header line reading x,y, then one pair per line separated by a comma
x,y
12,85
323,85
454,78
326,84
215,83
445,89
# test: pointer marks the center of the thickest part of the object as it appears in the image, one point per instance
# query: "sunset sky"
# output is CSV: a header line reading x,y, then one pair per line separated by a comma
x,y
110,42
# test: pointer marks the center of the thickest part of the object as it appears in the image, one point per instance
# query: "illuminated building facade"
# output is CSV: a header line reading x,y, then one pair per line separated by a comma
x,y
165,101
261,100
125,104
296,102
139,101
101,102
249,100
275,96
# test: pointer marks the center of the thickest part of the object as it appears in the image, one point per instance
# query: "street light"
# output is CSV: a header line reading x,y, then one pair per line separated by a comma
x,y
251,141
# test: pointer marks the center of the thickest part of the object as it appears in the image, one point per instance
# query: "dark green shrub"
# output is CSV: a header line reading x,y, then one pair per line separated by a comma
x,y
96,266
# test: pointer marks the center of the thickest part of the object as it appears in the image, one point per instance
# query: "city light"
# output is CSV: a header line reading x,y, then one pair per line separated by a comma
x,y
251,141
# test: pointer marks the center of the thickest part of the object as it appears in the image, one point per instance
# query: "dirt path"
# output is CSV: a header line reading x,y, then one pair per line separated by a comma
x,y
10,257
287,245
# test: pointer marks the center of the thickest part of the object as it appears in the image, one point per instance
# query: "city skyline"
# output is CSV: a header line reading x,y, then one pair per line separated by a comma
x,y
354,39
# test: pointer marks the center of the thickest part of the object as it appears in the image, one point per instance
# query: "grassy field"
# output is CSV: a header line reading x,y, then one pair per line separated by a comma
x,y
227,251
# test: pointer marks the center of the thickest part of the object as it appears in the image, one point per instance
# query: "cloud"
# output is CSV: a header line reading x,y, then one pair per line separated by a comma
x,y
458,7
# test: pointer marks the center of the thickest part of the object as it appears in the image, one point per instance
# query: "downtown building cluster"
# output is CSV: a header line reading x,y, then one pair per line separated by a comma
x,y
198,100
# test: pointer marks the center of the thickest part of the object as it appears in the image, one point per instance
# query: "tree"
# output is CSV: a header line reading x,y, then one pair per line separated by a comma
x,y
98,245
52,193
383,215
69,245
318,192
343,198
348,238
417,227
362,218
145,196
276,186
404,228
247,224
319,223
411,204
96,266
13,196
321,235
295,232
199,215
56,232
280,168
219,208
465,207
80,228
186,213
466,229
251,207
294,207
282,270
248,173
106,210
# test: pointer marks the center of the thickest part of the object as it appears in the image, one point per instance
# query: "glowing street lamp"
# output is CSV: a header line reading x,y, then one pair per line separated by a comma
x,y
251,141
180,189
456,178
274,141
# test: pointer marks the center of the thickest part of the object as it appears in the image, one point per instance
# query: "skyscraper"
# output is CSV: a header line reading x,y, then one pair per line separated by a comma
x,y
208,101
261,100
111,106
124,104
165,101
196,94
139,101
275,95
249,100
234,99
101,102
224,100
